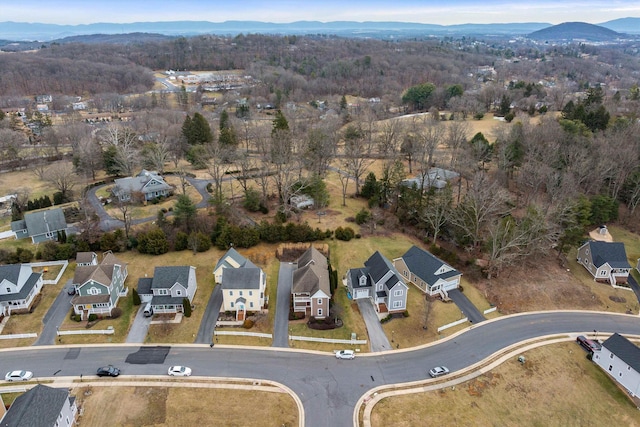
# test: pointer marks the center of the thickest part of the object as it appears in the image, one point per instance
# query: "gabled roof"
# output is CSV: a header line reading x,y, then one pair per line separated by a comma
x,y
628,352
166,277
356,273
424,265
233,259
144,285
312,273
378,266
26,288
39,406
85,257
102,273
41,222
10,272
241,278
612,253
145,181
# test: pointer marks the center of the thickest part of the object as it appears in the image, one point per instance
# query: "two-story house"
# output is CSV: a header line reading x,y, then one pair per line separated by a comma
x,y
40,226
42,406
168,288
381,283
429,273
243,284
620,358
606,261
99,287
311,289
19,286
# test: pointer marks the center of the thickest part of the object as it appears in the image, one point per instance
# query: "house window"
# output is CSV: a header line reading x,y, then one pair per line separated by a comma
x,y
94,291
49,234
397,304
610,368
231,305
240,293
261,295
250,293
178,292
398,293
163,291
8,289
319,301
319,312
230,293
251,304
611,356
619,374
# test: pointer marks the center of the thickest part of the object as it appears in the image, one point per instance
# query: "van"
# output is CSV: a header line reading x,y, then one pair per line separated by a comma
x,y
148,310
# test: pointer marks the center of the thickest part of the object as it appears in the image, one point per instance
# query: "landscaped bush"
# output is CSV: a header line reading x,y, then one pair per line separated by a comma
x,y
345,233
386,319
248,323
93,317
116,312
136,297
363,216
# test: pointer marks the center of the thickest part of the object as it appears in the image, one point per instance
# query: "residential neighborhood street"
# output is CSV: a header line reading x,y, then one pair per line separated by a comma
x,y
328,388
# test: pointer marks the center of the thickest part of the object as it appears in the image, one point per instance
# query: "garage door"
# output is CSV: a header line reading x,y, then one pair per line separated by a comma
x,y
361,293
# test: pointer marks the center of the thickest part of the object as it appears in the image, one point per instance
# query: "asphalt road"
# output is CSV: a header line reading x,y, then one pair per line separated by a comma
x,y
328,388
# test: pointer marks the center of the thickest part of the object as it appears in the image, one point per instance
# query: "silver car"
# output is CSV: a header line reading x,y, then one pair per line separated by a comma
x,y
345,354
18,376
438,371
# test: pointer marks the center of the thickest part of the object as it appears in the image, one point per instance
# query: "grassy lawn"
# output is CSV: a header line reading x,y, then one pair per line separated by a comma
x,y
557,386
173,406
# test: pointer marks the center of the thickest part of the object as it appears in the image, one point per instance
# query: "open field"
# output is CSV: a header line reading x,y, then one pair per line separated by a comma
x,y
174,406
556,386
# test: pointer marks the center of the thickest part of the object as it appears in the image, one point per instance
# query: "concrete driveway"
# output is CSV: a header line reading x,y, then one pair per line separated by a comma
x,y
210,317
140,326
281,323
55,316
378,341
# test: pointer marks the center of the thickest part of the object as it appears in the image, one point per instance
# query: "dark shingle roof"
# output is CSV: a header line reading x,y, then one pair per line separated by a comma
x,y
234,255
38,407
10,272
378,266
45,221
312,273
423,264
25,290
144,285
628,352
241,278
612,253
166,277
356,273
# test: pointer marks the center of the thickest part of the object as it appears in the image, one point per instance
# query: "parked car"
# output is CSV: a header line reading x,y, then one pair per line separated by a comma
x,y
108,371
71,290
18,376
179,371
589,345
345,354
438,371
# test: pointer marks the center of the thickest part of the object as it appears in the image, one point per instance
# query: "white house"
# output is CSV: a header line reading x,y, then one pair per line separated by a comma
x,y
620,358
19,286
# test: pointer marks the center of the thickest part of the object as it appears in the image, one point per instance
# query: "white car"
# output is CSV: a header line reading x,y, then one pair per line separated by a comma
x,y
179,371
438,371
345,354
18,376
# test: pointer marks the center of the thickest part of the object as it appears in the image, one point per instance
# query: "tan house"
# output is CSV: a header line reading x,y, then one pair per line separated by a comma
x,y
428,272
311,289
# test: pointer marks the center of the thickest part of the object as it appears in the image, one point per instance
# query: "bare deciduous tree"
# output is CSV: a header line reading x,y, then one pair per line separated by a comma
x,y
62,176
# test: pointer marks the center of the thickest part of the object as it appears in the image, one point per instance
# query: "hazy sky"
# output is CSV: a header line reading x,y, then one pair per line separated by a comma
x,y
444,12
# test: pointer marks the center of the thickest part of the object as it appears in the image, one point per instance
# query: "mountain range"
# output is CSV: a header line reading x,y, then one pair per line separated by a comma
x,y
20,31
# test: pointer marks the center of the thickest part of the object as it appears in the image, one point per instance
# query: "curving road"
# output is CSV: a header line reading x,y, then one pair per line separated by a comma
x,y
328,388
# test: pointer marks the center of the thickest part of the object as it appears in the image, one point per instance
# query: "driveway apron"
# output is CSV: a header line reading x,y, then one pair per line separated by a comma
x,y
468,309
378,341
55,316
140,327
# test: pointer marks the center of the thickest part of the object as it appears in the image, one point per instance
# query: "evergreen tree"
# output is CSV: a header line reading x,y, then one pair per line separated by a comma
x,y
186,306
280,123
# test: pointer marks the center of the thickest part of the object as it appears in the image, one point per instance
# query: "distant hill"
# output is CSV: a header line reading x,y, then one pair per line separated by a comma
x,y
21,31
623,25
114,38
575,31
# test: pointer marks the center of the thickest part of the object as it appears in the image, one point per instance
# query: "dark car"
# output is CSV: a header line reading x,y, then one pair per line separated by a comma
x,y
108,371
589,345
71,290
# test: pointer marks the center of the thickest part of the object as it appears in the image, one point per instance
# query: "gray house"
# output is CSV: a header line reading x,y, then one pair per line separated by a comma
x,y
434,178
19,286
168,287
99,287
381,283
620,358
42,406
606,261
149,184
40,226
428,272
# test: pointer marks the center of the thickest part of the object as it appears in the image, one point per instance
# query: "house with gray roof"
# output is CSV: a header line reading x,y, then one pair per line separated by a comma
x,y
380,282
41,406
606,261
311,289
620,358
150,185
40,226
168,288
99,287
434,178
231,259
429,273
19,286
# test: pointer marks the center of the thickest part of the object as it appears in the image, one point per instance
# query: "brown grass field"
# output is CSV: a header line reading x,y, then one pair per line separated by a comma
x,y
556,386
174,406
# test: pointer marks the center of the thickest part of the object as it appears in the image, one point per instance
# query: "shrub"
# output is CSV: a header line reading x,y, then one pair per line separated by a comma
x,y
405,313
93,317
478,116
345,233
136,297
363,216
186,305
116,312
386,319
181,241
248,323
